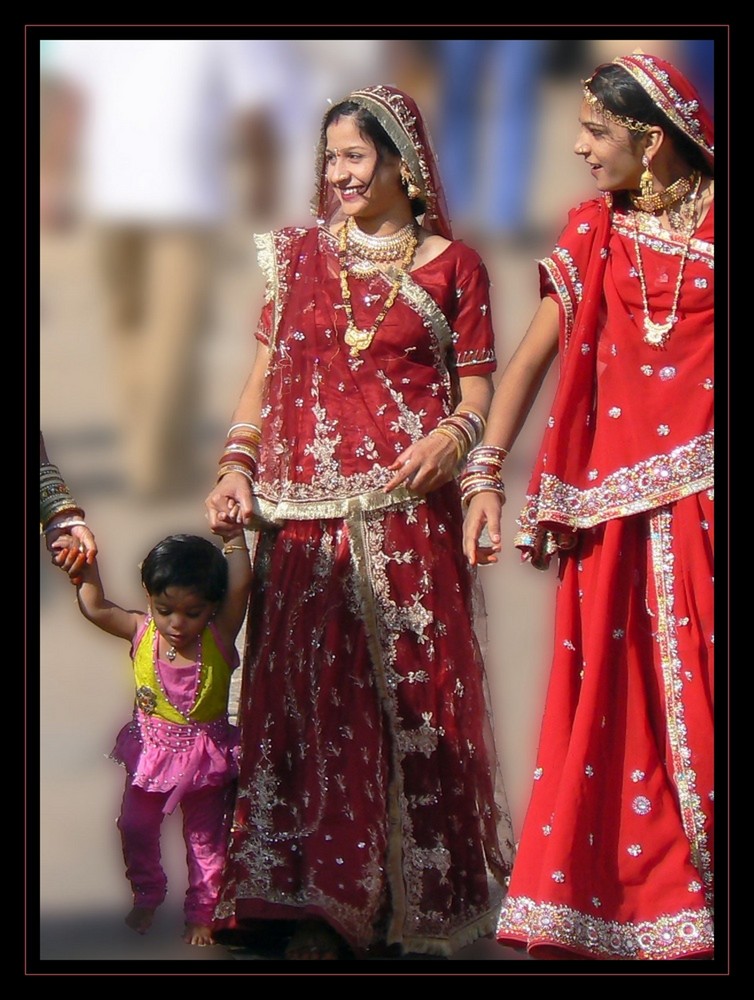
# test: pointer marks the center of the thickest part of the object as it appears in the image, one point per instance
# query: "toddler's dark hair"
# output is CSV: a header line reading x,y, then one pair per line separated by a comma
x,y
186,561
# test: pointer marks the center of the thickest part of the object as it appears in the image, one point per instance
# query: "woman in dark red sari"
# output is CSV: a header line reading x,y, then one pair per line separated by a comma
x,y
616,859
368,811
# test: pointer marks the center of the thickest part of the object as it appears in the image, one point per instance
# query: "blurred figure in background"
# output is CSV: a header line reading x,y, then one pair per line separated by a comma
x,y
697,58
145,126
488,108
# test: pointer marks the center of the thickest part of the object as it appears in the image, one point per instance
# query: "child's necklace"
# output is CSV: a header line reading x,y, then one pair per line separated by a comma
x,y
158,678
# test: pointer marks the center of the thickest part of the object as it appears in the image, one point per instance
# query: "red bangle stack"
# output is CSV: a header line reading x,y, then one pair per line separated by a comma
x,y
241,451
484,471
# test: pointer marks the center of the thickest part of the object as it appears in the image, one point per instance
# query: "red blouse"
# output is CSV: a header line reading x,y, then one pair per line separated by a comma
x,y
333,422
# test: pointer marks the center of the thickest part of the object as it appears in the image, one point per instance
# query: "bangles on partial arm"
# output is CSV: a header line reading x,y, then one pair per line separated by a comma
x,y
464,427
241,451
55,499
483,472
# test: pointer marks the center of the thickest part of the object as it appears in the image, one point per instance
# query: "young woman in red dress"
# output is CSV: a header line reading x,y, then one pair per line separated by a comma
x,y
616,857
367,811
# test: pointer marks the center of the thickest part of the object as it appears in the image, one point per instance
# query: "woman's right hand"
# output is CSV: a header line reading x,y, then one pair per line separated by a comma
x,y
229,505
483,513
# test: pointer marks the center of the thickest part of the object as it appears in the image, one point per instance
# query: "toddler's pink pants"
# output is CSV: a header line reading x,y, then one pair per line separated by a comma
x,y
206,820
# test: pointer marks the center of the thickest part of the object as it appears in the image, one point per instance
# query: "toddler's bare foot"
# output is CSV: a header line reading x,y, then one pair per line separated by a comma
x,y
198,934
140,919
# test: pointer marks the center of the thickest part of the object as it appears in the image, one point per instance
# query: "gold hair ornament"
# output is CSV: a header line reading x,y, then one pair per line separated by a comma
x,y
633,124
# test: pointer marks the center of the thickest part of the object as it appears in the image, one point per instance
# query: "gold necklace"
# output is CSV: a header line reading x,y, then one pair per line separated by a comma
x,y
661,201
356,338
380,249
683,214
658,334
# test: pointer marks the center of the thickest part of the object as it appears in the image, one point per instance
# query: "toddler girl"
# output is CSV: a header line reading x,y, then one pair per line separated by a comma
x,y
179,747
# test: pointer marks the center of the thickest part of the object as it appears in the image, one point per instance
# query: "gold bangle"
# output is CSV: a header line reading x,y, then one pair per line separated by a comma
x,y
447,433
469,408
228,548
228,467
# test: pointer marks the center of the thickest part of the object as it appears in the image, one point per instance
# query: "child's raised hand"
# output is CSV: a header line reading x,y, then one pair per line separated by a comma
x,y
229,524
70,555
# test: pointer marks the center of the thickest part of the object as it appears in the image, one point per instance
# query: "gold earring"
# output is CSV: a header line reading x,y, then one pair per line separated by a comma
x,y
646,182
407,178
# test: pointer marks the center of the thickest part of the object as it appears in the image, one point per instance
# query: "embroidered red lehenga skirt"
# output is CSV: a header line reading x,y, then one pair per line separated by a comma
x,y
366,793
616,856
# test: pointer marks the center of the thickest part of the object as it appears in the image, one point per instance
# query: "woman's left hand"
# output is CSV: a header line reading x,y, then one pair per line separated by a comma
x,y
425,465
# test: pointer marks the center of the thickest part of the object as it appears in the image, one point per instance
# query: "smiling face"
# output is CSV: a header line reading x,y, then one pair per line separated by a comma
x,y
180,615
610,150
366,181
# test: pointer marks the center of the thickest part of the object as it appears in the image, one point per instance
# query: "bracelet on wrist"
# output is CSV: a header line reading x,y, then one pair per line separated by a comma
x,y
61,525
227,467
483,473
489,454
230,547
451,435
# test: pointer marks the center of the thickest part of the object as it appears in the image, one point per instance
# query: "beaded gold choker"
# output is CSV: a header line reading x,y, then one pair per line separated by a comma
x,y
380,249
356,338
662,201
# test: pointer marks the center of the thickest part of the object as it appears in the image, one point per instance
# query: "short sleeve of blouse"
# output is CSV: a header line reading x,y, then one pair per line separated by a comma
x,y
562,274
473,332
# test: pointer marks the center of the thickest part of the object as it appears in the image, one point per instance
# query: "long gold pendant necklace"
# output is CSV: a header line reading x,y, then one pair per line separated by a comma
x,y
656,335
398,249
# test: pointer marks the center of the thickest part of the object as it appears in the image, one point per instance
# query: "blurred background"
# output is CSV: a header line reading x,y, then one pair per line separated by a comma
x,y
159,161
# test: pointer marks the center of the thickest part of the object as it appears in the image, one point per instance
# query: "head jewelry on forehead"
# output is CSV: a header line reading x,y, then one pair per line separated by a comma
x,y
593,101
670,92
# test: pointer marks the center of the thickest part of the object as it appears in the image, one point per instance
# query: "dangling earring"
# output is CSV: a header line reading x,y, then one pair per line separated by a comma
x,y
646,182
407,179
